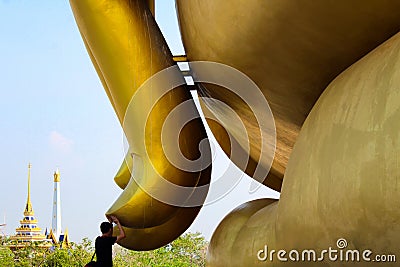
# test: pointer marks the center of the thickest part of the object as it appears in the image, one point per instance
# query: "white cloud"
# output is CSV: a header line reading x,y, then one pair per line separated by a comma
x,y
60,142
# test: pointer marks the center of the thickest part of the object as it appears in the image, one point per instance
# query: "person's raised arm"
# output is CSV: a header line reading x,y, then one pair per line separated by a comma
x,y
121,230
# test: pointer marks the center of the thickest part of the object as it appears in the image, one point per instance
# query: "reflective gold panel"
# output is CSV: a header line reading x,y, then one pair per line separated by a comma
x,y
168,155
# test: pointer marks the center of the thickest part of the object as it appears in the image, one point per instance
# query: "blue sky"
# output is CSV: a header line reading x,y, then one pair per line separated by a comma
x,y
54,114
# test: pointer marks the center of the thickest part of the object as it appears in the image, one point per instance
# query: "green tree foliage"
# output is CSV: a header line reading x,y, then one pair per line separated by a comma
x,y
6,257
187,250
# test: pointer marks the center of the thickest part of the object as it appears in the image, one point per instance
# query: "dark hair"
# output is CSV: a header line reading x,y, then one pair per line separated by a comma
x,y
105,227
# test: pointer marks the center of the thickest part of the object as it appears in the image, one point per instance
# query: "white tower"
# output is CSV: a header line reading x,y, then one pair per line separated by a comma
x,y
56,220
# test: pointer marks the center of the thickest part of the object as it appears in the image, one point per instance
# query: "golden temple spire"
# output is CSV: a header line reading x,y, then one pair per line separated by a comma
x,y
28,208
57,176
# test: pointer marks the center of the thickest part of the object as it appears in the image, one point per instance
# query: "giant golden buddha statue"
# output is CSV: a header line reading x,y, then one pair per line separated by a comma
x,y
318,122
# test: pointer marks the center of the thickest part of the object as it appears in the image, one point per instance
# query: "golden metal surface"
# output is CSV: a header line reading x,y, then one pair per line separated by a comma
x,y
180,58
152,6
225,248
338,184
290,49
342,179
126,48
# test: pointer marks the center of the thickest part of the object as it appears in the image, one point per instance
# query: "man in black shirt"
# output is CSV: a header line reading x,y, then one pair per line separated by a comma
x,y
104,243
